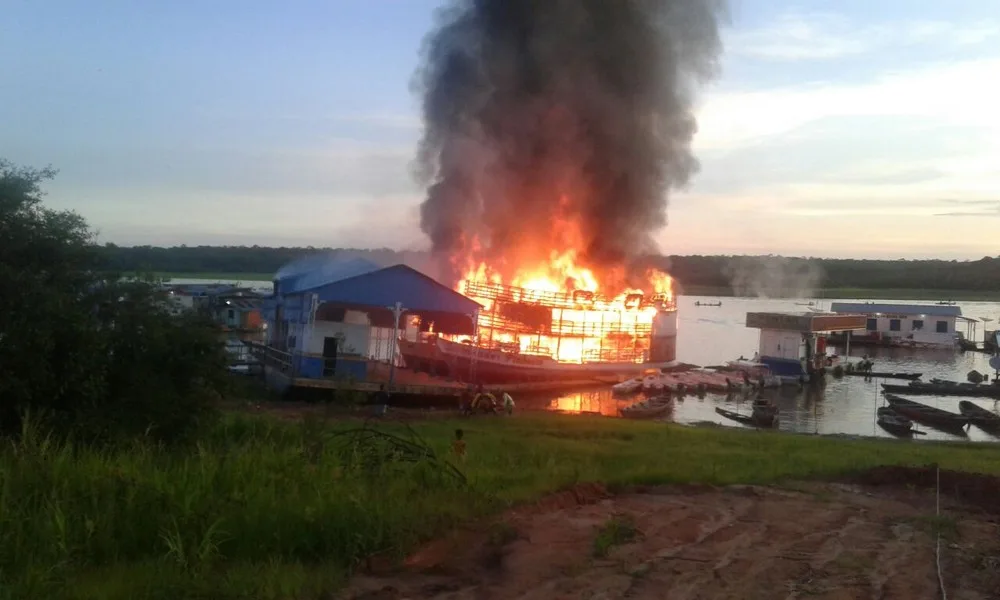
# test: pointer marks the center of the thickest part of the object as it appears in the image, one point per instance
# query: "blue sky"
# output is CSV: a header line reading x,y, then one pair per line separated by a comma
x,y
842,128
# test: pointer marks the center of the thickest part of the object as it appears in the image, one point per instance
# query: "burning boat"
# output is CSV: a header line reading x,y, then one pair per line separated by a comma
x,y
526,334
554,133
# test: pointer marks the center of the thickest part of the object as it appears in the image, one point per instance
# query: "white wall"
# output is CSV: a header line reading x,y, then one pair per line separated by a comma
x,y
354,332
928,334
781,344
380,343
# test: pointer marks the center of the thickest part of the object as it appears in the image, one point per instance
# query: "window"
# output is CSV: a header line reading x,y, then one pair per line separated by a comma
x,y
942,326
872,325
232,314
918,324
893,324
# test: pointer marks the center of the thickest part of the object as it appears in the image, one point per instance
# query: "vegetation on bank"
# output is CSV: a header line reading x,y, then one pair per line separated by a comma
x,y
741,275
824,293
94,354
260,508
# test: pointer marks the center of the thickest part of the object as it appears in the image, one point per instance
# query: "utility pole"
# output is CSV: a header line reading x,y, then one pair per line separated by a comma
x,y
397,311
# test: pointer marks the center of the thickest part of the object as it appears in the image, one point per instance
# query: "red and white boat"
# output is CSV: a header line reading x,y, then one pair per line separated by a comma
x,y
466,362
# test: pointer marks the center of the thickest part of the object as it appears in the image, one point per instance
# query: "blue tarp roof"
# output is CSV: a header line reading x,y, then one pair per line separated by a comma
x,y
897,309
384,287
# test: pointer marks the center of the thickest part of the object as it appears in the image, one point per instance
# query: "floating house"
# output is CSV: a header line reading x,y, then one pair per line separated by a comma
x,y
236,309
342,321
906,325
793,345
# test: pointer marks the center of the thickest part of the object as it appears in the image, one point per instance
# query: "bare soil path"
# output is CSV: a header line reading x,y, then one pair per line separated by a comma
x,y
874,538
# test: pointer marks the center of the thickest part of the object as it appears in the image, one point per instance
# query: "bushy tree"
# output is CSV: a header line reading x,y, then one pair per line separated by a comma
x,y
93,354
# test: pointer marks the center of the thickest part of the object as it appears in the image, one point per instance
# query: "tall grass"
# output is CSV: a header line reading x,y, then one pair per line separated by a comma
x,y
266,509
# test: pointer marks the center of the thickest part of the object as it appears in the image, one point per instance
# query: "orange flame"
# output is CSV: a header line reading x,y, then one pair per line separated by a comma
x,y
594,327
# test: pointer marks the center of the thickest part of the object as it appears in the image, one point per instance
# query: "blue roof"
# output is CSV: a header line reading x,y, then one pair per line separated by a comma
x,y
934,310
385,287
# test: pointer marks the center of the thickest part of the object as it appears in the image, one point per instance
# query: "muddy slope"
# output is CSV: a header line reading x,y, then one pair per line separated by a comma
x,y
834,541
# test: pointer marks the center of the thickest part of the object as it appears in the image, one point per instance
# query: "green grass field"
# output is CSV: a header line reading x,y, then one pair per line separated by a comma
x,y
267,509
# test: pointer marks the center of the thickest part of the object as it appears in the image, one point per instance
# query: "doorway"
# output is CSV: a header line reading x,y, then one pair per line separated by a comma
x,y
330,356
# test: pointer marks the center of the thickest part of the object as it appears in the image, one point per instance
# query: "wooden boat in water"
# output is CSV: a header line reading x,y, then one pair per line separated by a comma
x,y
935,417
986,420
755,419
647,409
885,375
894,422
941,388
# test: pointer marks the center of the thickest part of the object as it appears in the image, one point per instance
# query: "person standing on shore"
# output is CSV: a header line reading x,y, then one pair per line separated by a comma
x,y
508,403
458,446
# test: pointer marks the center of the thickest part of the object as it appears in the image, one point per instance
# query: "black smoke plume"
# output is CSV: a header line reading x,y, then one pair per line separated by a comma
x,y
556,124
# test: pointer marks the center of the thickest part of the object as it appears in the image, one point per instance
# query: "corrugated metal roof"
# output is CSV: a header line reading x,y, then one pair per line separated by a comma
x,y
399,283
934,310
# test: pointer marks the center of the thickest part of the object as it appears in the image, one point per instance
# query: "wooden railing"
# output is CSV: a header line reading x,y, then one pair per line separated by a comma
x,y
271,357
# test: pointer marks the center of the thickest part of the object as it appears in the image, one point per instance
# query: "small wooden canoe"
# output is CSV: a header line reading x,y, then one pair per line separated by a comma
x,y
935,417
894,422
885,375
979,416
645,410
751,420
945,389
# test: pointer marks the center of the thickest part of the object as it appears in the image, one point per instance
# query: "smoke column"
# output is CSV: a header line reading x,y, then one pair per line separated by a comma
x,y
551,124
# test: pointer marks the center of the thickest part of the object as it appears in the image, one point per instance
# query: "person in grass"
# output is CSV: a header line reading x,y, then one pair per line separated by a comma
x,y
508,403
458,446
484,401
465,401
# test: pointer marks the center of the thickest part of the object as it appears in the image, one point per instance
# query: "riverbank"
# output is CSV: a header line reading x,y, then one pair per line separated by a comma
x,y
248,278
875,537
269,508
710,291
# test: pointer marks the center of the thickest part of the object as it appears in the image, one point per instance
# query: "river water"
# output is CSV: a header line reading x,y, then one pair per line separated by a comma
x,y
712,335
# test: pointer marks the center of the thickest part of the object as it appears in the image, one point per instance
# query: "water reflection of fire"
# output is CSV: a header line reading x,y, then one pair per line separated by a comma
x,y
546,303
593,402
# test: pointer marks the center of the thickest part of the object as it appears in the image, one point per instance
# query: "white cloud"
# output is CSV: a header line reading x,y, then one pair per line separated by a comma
x,y
824,36
962,94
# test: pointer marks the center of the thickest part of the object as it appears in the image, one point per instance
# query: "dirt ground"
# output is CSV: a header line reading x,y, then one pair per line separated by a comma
x,y
871,538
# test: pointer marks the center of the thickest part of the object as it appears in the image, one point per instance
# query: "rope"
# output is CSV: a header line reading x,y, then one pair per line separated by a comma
x,y
937,551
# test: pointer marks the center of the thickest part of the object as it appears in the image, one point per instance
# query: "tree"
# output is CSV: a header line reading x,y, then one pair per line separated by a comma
x,y
91,353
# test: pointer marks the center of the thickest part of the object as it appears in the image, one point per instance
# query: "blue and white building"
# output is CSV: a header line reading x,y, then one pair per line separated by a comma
x,y
341,320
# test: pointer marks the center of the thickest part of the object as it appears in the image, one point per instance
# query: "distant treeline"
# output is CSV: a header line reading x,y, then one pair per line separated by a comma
x,y
741,274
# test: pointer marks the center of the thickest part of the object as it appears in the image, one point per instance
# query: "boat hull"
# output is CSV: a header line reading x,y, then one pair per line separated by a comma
x,y
967,390
980,417
753,420
884,375
928,415
463,362
650,412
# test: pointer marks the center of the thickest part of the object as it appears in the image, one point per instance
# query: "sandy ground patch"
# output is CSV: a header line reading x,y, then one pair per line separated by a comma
x,y
874,539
